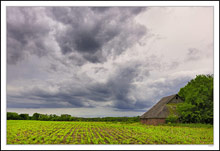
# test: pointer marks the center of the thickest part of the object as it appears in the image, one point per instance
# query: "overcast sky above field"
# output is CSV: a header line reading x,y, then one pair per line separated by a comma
x,y
108,61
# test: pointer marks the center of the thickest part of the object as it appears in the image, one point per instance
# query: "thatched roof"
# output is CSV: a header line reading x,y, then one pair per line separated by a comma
x,y
160,110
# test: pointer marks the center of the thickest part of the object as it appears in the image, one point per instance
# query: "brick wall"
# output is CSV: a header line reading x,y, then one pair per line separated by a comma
x,y
153,121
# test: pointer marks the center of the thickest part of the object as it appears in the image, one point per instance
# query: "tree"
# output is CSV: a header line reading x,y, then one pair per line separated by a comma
x,y
65,117
24,116
198,100
12,116
36,116
53,117
44,117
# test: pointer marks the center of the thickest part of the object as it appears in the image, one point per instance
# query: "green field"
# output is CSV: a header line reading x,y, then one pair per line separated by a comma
x,y
59,132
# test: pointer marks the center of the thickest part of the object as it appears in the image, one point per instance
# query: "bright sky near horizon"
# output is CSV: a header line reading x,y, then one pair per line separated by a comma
x,y
103,61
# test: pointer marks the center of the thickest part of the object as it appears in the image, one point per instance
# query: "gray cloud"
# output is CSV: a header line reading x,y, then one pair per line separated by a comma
x,y
118,91
115,91
94,34
26,33
121,85
100,9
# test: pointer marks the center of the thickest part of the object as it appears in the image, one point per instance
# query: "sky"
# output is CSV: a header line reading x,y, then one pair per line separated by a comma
x,y
103,61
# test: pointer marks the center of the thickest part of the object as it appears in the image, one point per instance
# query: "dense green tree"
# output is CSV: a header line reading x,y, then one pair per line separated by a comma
x,y
65,117
12,116
24,116
36,116
53,117
198,100
44,117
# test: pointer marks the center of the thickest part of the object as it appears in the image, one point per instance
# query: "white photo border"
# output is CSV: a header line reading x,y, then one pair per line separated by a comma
x,y
214,4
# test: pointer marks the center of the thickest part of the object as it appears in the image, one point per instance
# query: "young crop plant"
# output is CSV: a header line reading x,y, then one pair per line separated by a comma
x,y
82,140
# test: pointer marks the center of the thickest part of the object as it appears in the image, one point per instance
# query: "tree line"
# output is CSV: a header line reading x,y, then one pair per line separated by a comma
x,y
67,117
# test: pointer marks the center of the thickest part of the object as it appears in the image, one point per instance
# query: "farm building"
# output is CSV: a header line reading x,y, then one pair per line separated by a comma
x,y
160,111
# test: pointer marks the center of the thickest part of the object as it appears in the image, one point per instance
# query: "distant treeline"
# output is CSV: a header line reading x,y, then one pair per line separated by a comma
x,y
67,117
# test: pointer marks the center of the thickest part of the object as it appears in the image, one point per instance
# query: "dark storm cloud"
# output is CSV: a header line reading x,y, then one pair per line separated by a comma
x,y
121,85
115,90
95,33
96,30
118,87
26,31
47,99
100,9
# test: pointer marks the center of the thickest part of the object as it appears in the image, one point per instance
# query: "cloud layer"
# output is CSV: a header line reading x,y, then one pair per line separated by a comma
x,y
89,34
121,58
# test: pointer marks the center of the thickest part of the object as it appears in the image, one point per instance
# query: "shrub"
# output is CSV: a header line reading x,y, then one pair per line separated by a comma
x,y
172,119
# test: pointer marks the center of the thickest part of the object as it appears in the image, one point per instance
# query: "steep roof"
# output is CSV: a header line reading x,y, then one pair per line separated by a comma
x,y
159,110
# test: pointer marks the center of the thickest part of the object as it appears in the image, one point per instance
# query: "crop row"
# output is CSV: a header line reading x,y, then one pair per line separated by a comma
x,y
51,132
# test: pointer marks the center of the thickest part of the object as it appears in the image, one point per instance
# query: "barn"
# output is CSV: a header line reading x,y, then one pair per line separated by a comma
x,y
160,111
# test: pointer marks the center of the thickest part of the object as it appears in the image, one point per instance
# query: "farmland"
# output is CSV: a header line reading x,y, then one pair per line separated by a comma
x,y
60,132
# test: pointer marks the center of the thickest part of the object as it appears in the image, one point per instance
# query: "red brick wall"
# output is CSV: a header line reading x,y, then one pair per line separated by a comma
x,y
153,121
